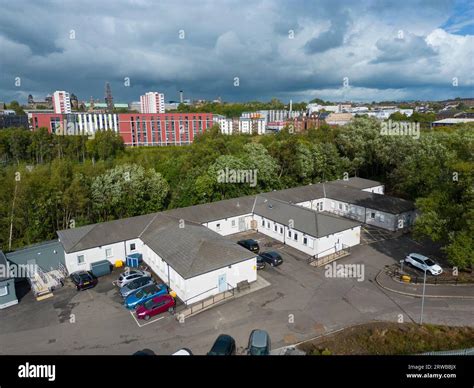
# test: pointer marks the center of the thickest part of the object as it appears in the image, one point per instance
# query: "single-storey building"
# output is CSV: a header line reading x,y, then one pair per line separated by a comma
x,y
315,233
193,260
42,264
187,247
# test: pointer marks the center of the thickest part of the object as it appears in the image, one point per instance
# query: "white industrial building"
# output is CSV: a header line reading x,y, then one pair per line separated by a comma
x,y
61,102
225,124
152,102
188,250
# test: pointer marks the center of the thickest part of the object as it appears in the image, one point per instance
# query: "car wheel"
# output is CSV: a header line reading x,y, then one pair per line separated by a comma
x,y
78,288
147,317
272,264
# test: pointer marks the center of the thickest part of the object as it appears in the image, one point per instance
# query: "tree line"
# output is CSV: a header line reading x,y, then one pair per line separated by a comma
x,y
58,182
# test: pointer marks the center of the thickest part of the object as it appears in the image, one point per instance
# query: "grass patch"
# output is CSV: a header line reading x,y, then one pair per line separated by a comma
x,y
386,338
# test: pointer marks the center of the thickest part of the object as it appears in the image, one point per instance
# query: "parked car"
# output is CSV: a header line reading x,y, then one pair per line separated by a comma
x,y
259,343
136,285
423,263
130,275
144,294
224,346
183,352
261,264
144,352
155,306
249,244
84,280
271,257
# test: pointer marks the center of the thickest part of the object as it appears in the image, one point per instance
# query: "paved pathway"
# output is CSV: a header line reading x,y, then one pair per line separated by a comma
x,y
459,291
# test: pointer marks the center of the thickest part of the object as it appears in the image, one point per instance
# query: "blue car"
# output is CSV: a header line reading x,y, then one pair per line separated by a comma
x,y
144,294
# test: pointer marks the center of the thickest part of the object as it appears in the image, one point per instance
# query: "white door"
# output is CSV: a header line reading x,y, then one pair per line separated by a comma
x,y
338,241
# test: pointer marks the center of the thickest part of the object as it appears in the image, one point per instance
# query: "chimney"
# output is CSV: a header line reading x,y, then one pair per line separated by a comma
x,y
291,106
181,99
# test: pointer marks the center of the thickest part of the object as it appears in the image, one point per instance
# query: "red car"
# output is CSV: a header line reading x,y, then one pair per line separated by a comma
x,y
155,306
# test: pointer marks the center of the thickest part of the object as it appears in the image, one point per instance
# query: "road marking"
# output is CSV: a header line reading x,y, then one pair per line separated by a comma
x,y
147,323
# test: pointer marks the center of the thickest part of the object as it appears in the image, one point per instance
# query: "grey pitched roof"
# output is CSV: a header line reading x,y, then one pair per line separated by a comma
x,y
316,224
193,249
357,183
95,235
367,199
215,210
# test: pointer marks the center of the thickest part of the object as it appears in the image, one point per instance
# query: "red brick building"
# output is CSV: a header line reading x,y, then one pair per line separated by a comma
x,y
148,129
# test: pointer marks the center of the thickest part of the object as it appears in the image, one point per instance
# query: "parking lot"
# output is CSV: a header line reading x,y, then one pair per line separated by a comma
x,y
371,234
300,303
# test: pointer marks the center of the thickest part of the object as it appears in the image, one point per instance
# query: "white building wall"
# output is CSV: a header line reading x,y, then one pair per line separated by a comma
x,y
334,242
119,252
286,235
203,286
230,225
92,255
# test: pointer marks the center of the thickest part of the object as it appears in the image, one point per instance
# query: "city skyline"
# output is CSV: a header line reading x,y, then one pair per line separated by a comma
x,y
240,51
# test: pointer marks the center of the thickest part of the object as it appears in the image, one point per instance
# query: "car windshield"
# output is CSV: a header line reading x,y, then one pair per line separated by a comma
x,y
84,277
430,263
254,351
149,305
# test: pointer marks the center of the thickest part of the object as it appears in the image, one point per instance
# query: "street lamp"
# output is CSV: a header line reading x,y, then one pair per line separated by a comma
x,y
423,298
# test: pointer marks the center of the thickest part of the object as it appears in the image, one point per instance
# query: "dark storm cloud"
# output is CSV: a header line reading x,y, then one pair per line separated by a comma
x,y
140,40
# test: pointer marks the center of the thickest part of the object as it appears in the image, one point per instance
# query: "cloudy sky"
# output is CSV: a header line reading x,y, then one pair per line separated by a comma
x,y
237,49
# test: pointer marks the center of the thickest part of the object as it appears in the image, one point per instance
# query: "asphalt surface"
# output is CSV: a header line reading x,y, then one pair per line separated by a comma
x,y
300,303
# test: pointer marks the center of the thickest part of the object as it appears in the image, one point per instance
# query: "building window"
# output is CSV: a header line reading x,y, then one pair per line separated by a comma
x,y
346,207
305,241
263,221
108,252
372,215
218,226
233,223
80,259
3,290
340,206
268,224
289,233
275,227
296,237
281,230
132,246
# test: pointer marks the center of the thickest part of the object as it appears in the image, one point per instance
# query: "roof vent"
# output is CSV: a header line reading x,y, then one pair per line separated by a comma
x,y
270,206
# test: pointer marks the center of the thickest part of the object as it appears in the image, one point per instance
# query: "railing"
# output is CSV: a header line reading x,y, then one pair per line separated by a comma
x,y
322,259
207,302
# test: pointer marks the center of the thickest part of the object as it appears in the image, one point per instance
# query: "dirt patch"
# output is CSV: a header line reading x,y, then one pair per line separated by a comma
x,y
385,338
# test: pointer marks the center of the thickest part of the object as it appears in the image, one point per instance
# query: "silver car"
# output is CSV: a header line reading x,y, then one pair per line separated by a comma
x,y
424,263
131,275
136,285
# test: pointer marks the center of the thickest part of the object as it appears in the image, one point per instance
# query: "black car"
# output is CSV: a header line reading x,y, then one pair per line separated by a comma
x,y
259,343
261,263
249,244
84,280
271,257
224,346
